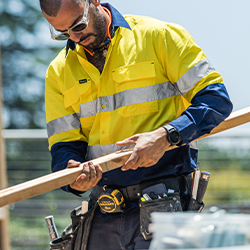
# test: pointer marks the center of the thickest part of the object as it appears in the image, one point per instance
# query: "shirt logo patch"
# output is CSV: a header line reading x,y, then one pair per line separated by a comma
x,y
83,81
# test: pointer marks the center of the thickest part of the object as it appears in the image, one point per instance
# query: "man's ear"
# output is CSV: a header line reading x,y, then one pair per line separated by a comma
x,y
95,2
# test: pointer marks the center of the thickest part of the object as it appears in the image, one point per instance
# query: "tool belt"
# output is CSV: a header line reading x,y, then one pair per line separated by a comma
x,y
180,184
175,198
134,192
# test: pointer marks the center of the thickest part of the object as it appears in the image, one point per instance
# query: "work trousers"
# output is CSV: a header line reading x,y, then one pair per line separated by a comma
x,y
121,232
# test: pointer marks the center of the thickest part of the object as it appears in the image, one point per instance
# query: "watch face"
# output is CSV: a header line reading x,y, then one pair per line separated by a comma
x,y
175,137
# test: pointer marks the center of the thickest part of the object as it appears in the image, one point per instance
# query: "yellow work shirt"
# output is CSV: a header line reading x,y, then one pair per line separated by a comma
x,y
149,78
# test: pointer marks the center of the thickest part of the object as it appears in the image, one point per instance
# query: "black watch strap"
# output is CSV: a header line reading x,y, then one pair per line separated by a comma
x,y
173,135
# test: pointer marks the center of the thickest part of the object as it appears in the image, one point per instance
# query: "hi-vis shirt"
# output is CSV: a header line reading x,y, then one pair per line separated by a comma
x,y
154,74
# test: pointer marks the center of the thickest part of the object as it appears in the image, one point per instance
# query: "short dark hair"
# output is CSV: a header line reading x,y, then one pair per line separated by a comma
x,y
52,7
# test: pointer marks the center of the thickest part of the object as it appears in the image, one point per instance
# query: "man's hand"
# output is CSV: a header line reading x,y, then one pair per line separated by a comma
x,y
89,178
149,148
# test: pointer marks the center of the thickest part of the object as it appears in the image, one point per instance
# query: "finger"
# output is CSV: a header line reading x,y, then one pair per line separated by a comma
x,y
73,164
145,160
84,177
129,141
80,183
98,172
137,159
81,179
132,162
139,164
92,173
89,178
92,181
125,142
95,181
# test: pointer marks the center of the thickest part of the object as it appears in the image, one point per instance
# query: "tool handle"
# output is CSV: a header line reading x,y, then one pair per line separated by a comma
x,y
201,190
51,227
202,187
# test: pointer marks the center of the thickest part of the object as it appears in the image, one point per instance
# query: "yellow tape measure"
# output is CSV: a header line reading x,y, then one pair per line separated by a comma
x,y
111,201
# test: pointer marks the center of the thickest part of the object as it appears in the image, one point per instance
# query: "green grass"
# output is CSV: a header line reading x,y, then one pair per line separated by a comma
x,y
32,233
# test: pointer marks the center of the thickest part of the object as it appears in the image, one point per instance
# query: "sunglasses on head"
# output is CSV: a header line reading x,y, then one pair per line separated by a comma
x,y
79,27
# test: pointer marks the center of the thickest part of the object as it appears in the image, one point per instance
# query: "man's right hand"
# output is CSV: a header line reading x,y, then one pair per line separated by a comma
x,y
89,178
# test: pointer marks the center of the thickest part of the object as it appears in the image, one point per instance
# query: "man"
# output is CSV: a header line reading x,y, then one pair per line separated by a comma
x,y
122,82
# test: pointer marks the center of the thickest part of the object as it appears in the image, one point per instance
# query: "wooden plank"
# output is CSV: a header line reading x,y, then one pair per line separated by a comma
x,y
236,119
112,161
4,212
58,179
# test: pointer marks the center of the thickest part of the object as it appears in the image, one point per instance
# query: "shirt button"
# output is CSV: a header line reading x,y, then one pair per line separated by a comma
x,y
105,178
103,132
103,106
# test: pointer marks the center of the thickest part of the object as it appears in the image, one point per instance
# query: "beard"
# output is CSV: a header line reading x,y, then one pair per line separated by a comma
x,y
100,29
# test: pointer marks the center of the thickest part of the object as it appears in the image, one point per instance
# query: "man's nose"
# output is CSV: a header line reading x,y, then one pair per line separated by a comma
x,y
75,36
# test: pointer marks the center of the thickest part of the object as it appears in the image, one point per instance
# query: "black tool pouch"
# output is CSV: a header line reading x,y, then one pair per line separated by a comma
x,y
75,236
171,203
195,206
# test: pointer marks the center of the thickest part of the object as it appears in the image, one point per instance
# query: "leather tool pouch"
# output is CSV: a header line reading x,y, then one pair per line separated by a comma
x,y
75,236
171,203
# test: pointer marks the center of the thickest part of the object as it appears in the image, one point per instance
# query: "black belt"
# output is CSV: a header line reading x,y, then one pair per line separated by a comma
x,y
134,192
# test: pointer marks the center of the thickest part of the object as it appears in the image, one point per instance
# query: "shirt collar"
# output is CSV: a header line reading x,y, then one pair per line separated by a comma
x,y
117,21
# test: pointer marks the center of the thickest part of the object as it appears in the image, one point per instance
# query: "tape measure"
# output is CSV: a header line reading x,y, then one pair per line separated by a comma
x,y
111,201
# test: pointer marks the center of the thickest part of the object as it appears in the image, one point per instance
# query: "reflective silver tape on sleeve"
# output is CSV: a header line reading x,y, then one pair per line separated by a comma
x,y
63,124
194,75
128,97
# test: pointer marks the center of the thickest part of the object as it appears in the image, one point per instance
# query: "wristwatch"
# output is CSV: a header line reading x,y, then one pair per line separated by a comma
x,y
173,135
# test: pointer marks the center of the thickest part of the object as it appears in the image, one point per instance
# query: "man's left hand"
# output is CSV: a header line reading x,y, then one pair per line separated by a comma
x,y
149,148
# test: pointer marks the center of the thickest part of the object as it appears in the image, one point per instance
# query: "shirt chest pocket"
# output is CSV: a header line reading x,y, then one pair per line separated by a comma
x,y
76,95
135,87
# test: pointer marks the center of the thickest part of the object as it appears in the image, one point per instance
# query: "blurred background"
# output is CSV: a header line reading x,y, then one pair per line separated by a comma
x,y
221,28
